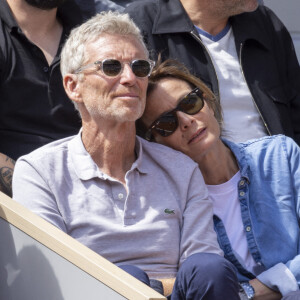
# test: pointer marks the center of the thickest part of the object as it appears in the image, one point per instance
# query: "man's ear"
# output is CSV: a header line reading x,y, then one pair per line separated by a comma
x,y
71,84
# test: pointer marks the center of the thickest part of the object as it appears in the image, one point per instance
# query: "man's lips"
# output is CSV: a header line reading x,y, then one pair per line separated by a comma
x,y
128,95
197,134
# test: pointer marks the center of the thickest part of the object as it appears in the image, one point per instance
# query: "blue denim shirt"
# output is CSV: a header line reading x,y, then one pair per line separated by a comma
x,y
269,194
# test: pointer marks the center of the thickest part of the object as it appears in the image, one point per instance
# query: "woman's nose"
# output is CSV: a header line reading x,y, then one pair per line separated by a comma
x,y
184,120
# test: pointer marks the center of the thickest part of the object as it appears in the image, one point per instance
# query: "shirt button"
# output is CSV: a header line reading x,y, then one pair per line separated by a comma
x,y
45,69
248,228
242,194
120,196
242,182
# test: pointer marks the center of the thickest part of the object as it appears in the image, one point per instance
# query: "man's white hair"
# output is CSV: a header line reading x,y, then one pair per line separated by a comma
x,y
108,22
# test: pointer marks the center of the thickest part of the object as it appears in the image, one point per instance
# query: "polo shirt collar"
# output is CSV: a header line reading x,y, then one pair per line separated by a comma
x,y
85,167
141,163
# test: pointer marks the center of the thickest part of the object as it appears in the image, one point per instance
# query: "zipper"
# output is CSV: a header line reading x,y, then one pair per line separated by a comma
x,y
241,66
195,36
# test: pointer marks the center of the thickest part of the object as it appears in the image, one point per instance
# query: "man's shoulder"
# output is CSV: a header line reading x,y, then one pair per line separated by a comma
x,y
166,156
261,17
143,11
48,154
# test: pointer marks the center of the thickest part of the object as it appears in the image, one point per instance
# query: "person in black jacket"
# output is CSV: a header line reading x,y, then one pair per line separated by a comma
x,y
34,108
241,50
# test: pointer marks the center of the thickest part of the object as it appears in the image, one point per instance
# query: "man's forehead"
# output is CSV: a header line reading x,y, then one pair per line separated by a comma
x,y
116,46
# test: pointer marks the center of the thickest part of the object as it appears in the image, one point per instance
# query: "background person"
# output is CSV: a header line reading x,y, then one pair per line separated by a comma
x,y
118,194
34,108
240,50
255,185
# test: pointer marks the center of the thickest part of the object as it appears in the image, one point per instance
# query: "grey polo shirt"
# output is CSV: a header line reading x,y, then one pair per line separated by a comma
x,y
163,218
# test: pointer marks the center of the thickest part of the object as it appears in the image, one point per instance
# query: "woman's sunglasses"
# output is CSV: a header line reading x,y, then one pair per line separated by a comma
x,y
167,123
113,67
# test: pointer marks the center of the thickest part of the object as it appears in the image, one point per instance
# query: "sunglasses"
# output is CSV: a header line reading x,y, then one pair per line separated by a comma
x,y
167,123
113,67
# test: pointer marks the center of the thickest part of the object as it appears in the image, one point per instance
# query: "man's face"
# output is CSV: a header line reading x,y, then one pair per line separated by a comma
x,y
45,4
120,98
229,8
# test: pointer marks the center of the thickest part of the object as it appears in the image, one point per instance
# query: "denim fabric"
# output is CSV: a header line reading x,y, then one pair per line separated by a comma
x,y
269,194
143,277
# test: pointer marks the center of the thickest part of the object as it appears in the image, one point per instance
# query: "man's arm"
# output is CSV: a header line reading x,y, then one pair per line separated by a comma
x,y
6,172
31,189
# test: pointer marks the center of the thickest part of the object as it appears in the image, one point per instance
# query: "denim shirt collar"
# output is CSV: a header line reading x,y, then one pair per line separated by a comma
x,y
238,151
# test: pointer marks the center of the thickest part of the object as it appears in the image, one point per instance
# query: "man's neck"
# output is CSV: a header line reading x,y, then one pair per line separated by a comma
x,y
204,16
40,26
112,149
32,19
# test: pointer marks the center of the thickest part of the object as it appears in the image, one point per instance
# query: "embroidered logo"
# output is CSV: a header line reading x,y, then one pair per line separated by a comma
x,y
169,211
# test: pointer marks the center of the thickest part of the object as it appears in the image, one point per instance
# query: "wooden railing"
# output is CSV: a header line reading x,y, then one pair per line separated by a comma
x,y
40,262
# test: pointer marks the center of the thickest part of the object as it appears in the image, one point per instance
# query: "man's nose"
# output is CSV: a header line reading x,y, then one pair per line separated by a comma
x,y
127,75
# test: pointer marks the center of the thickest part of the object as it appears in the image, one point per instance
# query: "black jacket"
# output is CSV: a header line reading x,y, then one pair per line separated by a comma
x,y
264,48
34,107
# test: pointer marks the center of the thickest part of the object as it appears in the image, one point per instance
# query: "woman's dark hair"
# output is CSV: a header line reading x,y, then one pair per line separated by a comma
x,y
171,68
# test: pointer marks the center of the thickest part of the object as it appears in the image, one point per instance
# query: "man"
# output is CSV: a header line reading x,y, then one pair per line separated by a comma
x,y
240,50
34,108
118,194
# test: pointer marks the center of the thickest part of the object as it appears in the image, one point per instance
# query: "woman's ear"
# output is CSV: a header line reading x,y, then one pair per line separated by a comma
x,y
71,84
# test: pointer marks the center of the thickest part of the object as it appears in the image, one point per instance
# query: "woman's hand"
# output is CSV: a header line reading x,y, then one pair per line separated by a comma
x,y
262,292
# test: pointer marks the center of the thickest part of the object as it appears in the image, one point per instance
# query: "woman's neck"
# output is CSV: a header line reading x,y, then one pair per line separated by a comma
x,y
218,165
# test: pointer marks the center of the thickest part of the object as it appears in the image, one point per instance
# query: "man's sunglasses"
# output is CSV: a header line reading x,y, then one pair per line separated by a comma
x,y
167,123
113,67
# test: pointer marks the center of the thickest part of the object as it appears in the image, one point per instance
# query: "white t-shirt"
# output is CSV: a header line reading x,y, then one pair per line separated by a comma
x,y
242,120
227,207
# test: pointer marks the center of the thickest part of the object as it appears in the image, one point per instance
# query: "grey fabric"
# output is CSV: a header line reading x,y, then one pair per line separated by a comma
x,y
149,223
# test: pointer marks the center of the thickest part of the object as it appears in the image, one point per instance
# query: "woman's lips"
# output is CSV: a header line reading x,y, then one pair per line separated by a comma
x,y
197,135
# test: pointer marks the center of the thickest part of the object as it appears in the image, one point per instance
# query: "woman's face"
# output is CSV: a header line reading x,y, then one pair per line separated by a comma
x,y
196,134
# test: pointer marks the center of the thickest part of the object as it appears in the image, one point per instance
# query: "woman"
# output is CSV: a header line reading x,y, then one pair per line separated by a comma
x,y
255,186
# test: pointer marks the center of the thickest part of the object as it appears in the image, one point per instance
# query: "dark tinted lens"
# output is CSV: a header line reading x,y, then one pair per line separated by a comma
x,y
141,68
166,125
191,104
111,67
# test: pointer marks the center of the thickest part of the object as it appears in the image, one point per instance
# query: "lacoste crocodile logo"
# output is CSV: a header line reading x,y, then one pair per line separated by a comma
x,y
169,211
